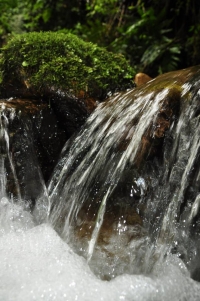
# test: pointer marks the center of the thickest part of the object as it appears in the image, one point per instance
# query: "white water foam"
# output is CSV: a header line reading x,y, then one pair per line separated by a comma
x,y
36,264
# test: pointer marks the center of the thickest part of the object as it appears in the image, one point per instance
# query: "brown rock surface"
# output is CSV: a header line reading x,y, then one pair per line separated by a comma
x,y
141,78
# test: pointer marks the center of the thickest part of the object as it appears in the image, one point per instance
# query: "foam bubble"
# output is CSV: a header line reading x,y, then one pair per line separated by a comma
x,y
36,264
13,218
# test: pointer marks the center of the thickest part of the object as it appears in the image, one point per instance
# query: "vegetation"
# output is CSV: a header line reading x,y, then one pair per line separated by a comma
x,y
63,61
154,35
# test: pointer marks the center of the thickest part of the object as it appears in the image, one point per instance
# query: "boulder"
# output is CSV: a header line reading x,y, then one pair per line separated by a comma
x,y
31,141
69,75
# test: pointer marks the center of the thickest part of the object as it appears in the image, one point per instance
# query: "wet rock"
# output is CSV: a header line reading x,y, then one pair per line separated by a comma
x,y
71,111
169,111
33,146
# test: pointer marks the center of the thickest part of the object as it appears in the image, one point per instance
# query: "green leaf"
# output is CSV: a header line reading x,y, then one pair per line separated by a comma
x,y
175,50
46,15
25,64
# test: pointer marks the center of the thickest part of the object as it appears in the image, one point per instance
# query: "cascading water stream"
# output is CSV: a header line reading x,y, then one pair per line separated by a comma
x,y
5,151
125,195
149,113
112,144
96,158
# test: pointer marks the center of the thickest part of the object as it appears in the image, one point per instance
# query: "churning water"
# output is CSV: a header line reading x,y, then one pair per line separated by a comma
x,y
119,219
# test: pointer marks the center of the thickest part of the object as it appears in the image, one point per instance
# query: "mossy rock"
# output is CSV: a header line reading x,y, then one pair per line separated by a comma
x,y
62,61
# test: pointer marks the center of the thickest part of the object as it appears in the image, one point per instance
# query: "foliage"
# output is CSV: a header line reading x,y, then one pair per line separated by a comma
x,y
6,8
64,61
155,36
40,14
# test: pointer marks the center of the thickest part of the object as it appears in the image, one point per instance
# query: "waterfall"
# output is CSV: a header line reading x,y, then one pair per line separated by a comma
x,y
119,218
113,153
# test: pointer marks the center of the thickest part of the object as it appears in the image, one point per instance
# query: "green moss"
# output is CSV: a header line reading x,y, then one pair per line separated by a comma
x,y
64,61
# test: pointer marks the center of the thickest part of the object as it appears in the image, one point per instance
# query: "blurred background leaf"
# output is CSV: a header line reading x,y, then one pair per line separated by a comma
x,y
155,36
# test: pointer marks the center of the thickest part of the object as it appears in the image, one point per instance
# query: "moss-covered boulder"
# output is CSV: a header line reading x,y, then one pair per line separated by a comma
x,y
65,76
62,70
40,62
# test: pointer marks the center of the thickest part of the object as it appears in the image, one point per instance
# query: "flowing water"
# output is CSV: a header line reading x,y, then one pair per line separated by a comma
x,y
119,219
